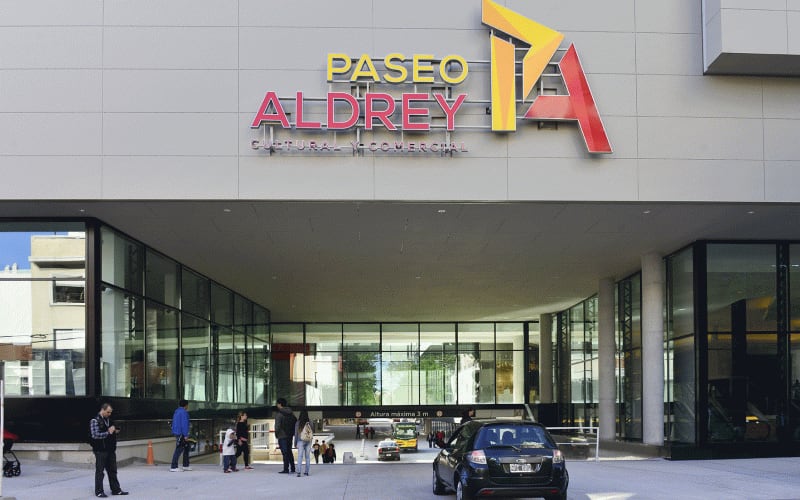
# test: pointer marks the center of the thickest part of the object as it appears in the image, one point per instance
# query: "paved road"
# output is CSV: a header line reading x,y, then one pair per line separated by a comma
x,y
609,479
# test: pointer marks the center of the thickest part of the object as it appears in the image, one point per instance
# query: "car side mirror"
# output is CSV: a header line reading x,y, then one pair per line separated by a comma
x,y
375,446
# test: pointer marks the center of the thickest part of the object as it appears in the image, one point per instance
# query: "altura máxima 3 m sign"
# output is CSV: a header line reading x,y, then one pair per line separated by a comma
x,y
435,81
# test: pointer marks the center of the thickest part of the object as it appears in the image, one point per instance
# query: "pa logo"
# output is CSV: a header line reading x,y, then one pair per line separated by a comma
x,y
578,105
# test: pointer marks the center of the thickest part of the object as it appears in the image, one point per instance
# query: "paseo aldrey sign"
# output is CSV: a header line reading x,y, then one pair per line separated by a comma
x,y
426,120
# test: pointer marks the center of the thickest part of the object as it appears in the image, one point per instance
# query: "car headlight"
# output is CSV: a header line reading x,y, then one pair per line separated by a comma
x,y
558,457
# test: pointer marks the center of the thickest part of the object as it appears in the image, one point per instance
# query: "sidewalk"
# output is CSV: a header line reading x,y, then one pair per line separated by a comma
x,y
608,479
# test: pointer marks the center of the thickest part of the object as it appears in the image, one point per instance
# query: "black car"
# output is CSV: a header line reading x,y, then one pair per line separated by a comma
x,y
501,458
388,450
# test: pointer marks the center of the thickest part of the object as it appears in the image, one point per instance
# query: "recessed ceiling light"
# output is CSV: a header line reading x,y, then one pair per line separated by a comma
x,y
226,210
82,210
646,211
442,211
751,212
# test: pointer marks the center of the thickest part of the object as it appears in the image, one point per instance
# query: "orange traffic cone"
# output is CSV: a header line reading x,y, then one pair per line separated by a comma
x,y
150,459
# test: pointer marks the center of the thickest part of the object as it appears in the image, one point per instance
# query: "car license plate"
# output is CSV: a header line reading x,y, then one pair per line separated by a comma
x,y
520,468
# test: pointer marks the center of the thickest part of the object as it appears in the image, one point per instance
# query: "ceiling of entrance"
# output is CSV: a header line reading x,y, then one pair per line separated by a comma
x,y
384,261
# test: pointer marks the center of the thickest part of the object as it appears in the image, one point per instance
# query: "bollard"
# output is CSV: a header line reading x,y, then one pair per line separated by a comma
x,y
150,459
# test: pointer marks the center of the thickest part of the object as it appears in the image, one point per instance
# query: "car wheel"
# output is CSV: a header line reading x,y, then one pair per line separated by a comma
x,y
462,493
438,486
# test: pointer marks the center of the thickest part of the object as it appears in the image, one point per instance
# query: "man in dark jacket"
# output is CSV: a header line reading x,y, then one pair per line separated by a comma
x,y
104,445
284,430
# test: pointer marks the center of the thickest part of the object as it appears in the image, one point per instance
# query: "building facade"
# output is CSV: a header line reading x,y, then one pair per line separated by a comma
x,y
587,207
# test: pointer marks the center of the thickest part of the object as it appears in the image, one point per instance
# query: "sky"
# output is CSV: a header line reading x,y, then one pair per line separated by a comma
x,y
16,247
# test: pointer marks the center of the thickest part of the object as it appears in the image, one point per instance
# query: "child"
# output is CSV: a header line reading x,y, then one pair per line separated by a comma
x,y
229,452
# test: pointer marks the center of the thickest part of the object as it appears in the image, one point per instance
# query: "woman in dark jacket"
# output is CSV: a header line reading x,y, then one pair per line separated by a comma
x,y
243,438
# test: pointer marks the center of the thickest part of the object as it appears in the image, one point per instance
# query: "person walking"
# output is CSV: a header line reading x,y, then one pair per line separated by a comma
x,y
315,449
180,429
229,452
284,431
104,446
331,453
303,435
243,437
430,439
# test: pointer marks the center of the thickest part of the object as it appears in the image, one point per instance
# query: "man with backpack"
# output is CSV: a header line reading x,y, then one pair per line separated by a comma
x,y
284,431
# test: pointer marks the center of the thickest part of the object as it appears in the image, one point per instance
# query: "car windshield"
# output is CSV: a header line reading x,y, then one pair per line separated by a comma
x,y
516,436
387,444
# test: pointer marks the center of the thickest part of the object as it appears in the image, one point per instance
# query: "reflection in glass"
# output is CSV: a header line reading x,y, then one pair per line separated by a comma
x,y
122,261
438,364
122,361
400,364
288,354
225,366
742,273
680,354
161,352
196,347
42,308
261,358
161,279
476,363
195,294
221,305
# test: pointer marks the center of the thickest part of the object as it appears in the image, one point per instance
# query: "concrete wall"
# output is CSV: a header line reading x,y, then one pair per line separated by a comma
x,y
752,37
152,100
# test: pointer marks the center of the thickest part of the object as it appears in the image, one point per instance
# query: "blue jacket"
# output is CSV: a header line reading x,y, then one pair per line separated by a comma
x,y
180,422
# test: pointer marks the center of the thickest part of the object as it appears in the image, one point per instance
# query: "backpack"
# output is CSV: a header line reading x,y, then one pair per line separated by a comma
x,y
307,434
289,421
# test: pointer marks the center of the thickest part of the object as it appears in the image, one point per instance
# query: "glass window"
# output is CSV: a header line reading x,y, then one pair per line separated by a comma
x,y
243,312
225,364
741,275
534,342
221,305
161,351
261,371
196,349
361,364
194,294
680,361
240,366
742,394
288,353
400,364
42,312
794,286
794,406
361,337
476,363
510,363
161,279
122,359
323,365
122,261
438,363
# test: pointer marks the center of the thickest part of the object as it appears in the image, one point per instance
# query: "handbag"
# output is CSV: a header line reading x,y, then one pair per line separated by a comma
x,y
307,434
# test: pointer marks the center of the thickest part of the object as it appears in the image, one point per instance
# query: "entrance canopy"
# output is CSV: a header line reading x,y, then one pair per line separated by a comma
x,y
418,261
